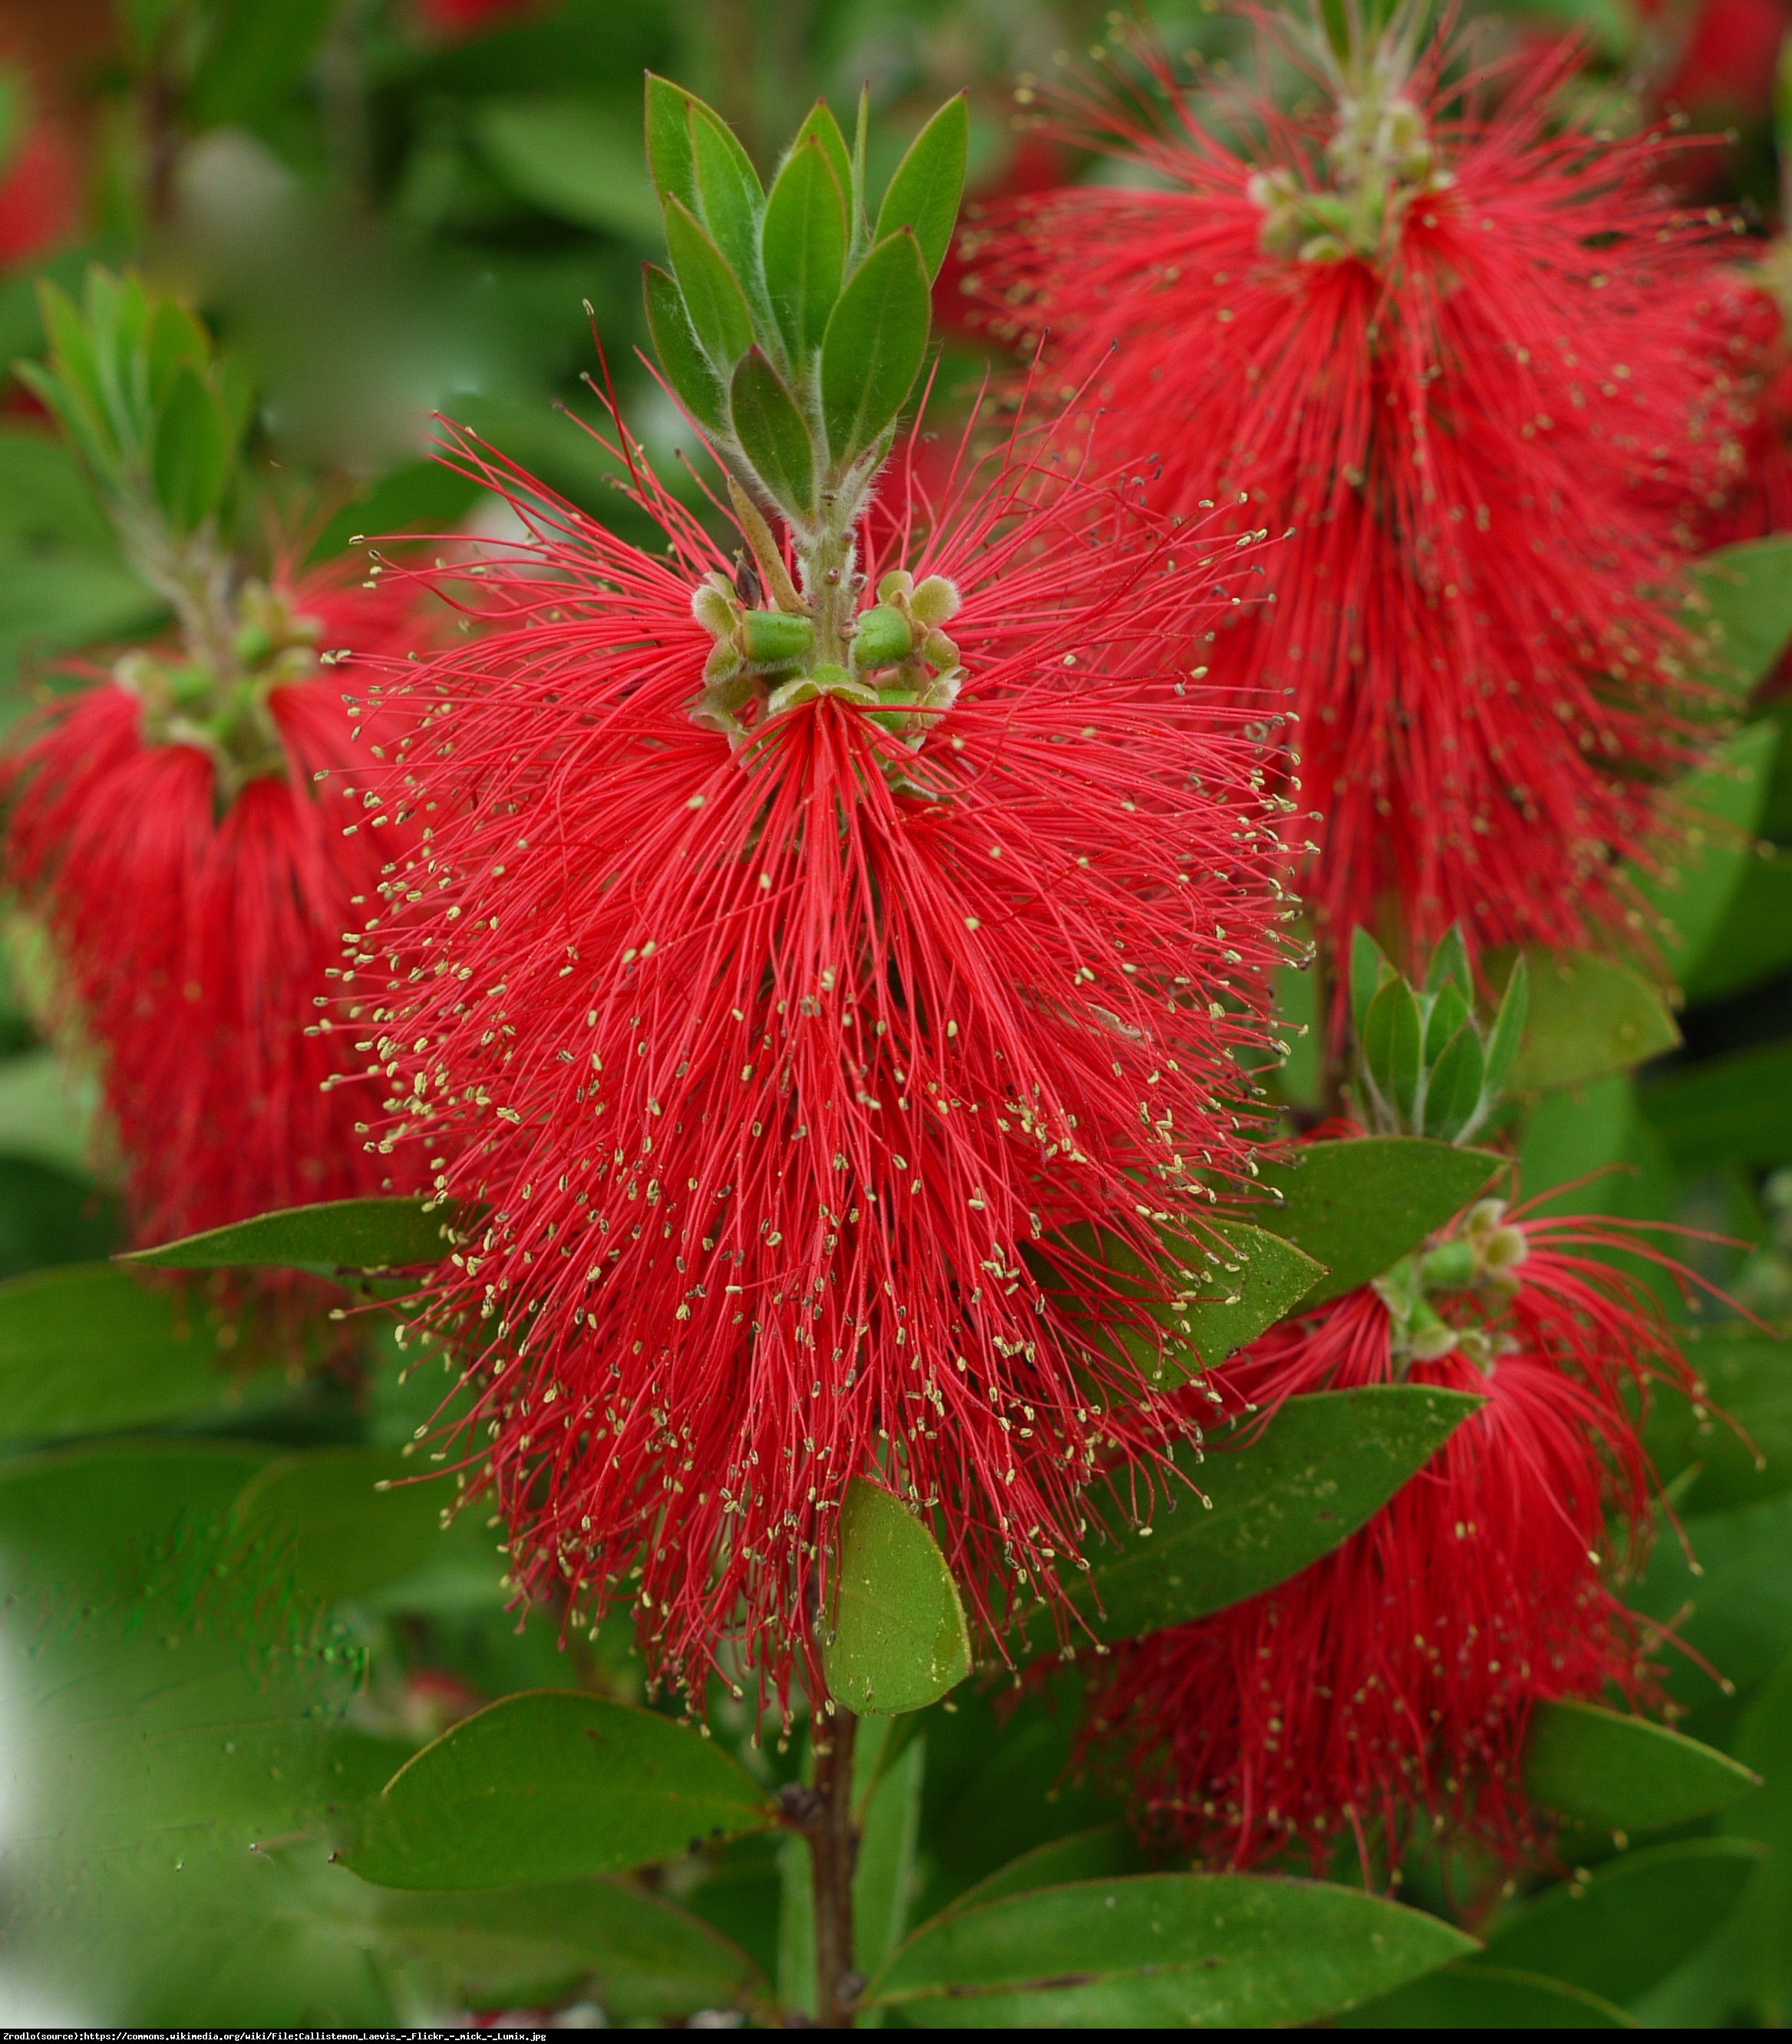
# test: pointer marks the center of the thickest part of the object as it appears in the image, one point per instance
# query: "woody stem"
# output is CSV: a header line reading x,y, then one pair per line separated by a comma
x,y
833,1848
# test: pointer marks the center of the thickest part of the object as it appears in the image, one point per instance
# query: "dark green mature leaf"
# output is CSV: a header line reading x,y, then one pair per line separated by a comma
x,y
803,240
1733,1110
573,158
1723,807
687,368
874,345
1320,1468
713,296
1359,1205
549,1784
1763,1739
929,182
1270,1276
1624,1774
1103,1852
257,51
1160,1951
1739,1603
1740,1431
884,1870
899,1640
1588,1016
335,1234
192,454
87,1349
1748,589
1617,1931
773,435
1472,1996
1753,941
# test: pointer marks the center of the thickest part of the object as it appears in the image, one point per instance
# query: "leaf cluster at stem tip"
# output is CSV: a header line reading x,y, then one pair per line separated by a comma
x,y
1427,1067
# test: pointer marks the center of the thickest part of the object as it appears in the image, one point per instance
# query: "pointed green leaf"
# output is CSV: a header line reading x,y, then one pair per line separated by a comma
x,y
874,345
803,241
1450,961
1588,1015
1166,1951
884,1873
899,1640
671,161
1618,1931
1277,1500
547,1784
929,183
687,368
1624,1774
1449,1010
819,125
714,301
1748,589
773,435
190,459
1267,1276
174,336
729,197
1508,1031
1393,1047
1369,973
1476,1997
335,1234
1103,1852
1359,1205
1452,1087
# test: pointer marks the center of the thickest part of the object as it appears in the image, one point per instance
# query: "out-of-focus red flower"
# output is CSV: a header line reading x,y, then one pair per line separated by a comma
x,y
1441,350
40,195
1398,1675
768,1054
469,17
1727,63
196,888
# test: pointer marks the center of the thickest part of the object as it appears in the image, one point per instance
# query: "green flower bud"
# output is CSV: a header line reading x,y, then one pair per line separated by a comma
x,y
934,602
883,638
775,638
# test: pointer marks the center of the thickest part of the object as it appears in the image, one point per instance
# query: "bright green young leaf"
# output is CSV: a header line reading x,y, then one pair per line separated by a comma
x,y
190,459
671,162
819,125
1161,1951
87,1349
1748,589
1722,809
1629,1922
899,1640
1325,1465
1452,1089
1393,1046
929,182
1104,1852
47,1112
335,1234
772,435
1370,971
884,1873
570,157
729,197
687,368
1449,964
874,347
1466,1997
1508,1031
546,1785
712,294
1359,1205
1588,1015
803,240
1735,1108
1740,1434
1624,1774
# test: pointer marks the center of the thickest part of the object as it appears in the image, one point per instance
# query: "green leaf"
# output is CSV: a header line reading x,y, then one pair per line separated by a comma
x,y
1763,1739
929,183
1452,1088
1161,1951
1753,943
1624,1774
572,157
1748,589
1271,1275
1465,1997
729,197
802,239
874,347
1723,807
900,1641
1320,1468
1449,1010
87,1349
687,368
1359,1205
333,1236
819,126
1103,1852
417,497
773,435
1588,1017
546,1785
1449,961
1393,1047
714,301
884,1871
47,1112
1508,1031
1370,972
1736,1611
257,52
190,459
1740,1433
1733,1110
671,162
1628,1924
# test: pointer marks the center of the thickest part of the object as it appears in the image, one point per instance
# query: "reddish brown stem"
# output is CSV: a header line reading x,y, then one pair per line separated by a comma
x,y
833,1848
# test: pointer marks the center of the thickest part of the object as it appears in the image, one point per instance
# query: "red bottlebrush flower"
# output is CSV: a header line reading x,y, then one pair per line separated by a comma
x,y
1726,65
196,886
40,203
468,18
1398,1674
770,1053
1441,346
1740,312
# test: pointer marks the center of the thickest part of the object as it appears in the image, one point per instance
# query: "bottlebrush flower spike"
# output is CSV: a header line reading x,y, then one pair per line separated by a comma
x,y
1397,1675
1440,345
196,882
772,1001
